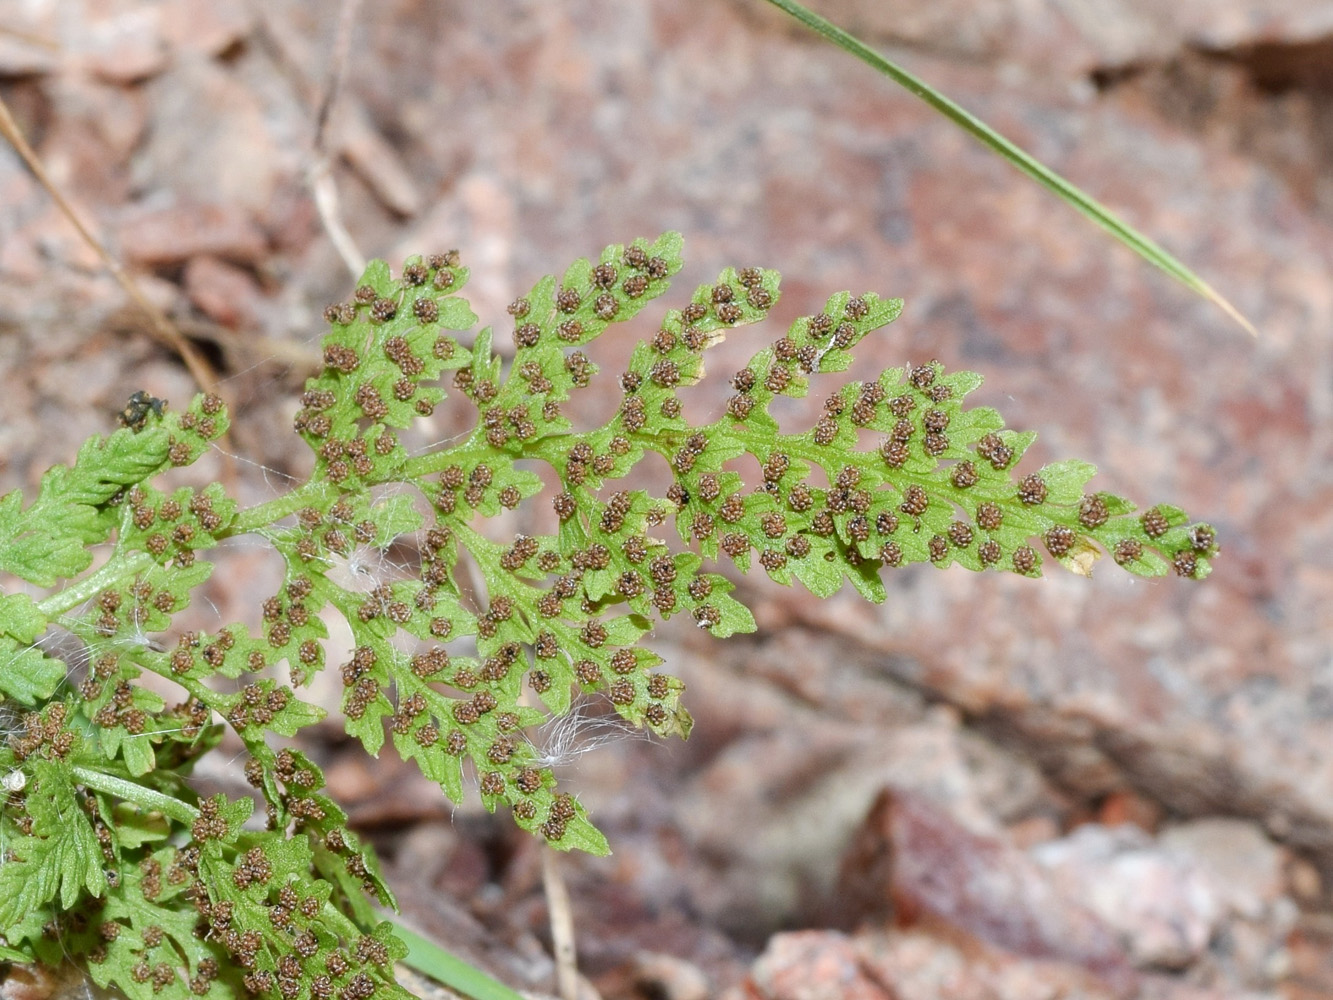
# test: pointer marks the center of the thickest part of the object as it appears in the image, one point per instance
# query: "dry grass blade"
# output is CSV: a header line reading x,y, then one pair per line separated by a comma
x,y
320,177
562,926
160,327
342,47
325,192
28,38
319,174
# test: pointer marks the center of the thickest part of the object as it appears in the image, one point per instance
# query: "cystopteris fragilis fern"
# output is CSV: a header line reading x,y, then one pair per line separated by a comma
x,y
108,854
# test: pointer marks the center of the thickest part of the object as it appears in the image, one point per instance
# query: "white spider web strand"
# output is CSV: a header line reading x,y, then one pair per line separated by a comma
x,y
565,738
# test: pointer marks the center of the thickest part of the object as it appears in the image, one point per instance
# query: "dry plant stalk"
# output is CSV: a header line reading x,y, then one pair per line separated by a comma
x,y
159,325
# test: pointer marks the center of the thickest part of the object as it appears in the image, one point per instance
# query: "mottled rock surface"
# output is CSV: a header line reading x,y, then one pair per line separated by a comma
x,y
527,134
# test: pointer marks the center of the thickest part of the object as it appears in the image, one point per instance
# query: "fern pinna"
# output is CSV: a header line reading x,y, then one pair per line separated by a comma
x,y
108,854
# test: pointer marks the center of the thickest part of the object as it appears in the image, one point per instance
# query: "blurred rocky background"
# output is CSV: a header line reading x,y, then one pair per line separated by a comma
x,y
985,788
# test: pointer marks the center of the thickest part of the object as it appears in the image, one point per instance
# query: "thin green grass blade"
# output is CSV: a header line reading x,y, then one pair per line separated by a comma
x,y
1098,213
428,958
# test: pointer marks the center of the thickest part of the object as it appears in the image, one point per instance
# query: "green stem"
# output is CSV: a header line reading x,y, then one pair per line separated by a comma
x,y
117,569
438,461
130,791
1047,178
264,514
340,923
